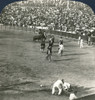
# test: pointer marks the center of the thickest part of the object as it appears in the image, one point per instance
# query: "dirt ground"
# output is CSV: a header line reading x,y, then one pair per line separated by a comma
x,y
23,67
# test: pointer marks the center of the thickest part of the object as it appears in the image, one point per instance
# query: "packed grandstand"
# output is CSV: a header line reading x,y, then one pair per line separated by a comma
x,y
64,15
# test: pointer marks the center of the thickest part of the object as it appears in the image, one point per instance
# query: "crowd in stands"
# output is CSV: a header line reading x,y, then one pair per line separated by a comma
x,y
54,17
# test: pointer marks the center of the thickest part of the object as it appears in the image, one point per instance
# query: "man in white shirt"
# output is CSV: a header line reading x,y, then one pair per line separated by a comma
x,y
61,86
58,85
61,47
66,86
73,96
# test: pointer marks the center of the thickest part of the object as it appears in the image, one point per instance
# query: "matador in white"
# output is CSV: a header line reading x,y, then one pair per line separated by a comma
x,y
61,86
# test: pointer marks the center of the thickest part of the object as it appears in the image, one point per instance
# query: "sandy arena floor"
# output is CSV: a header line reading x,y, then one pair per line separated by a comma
x,y
23,68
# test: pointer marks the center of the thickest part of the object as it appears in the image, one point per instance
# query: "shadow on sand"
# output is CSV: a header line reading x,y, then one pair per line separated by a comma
x,y
84,93
68,59
76,54
35,88
89,97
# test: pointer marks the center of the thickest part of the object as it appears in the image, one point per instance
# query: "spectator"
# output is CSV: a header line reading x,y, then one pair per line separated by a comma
x,y
57,16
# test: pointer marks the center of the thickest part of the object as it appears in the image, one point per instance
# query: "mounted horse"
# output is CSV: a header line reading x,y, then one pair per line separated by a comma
x,y
40,36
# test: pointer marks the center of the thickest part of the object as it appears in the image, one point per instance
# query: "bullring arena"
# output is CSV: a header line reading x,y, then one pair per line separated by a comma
x,y
24,68
25,74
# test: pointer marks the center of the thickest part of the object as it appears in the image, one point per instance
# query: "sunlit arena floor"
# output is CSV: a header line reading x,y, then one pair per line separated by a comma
x,y
23,67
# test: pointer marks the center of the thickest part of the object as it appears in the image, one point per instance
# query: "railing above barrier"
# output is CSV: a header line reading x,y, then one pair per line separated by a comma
x,y
56,32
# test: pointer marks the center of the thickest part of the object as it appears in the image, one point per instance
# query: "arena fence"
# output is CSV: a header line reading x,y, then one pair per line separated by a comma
x,y
72,35
7,27
56,32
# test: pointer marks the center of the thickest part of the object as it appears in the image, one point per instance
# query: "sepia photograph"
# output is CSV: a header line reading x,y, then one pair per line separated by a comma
x,y
47,50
